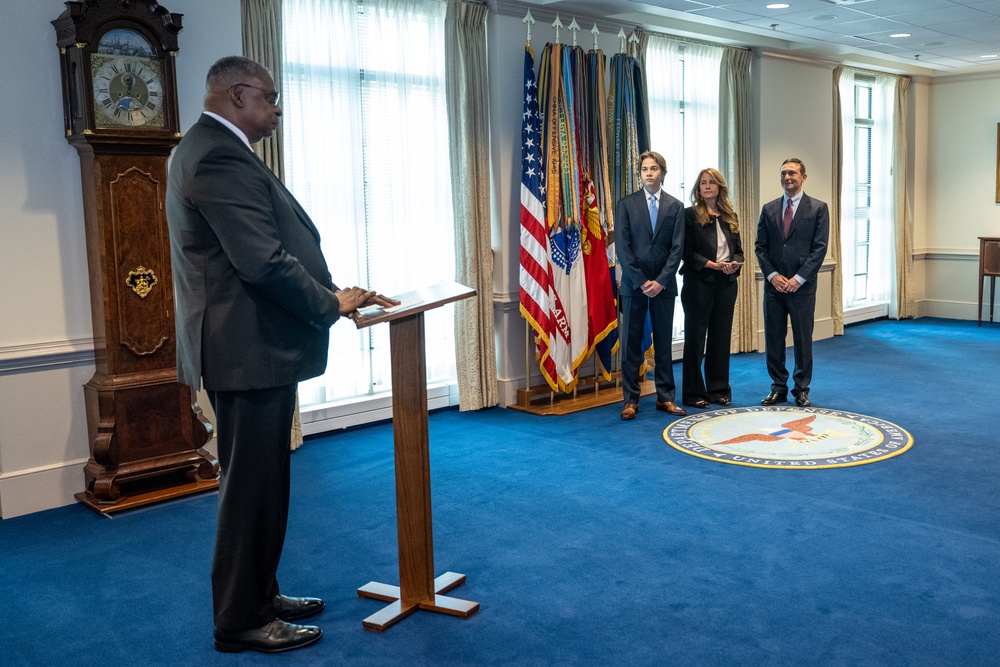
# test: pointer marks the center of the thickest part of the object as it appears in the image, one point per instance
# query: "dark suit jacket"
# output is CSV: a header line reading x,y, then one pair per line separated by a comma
x,y
643,254
700,245
803,251
252,290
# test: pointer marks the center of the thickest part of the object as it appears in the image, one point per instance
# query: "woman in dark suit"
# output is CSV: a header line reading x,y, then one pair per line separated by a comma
x,y
713,256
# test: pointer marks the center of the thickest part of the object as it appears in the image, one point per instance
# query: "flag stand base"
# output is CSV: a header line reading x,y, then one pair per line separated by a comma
x,y
591,392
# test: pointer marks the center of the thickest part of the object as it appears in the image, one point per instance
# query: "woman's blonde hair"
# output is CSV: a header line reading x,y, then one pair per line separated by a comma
x,y
722,202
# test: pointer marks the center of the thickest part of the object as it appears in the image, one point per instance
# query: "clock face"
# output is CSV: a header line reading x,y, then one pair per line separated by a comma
x,y
128,91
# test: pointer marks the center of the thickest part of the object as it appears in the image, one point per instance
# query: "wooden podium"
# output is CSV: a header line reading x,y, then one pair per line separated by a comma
x,y
418,589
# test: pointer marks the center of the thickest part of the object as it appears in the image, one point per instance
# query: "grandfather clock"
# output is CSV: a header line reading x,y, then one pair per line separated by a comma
x,y
145,429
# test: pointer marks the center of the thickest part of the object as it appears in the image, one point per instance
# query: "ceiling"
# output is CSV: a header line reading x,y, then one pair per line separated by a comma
x,y
941,35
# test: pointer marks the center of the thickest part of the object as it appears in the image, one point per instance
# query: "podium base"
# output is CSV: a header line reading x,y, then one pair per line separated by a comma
x,y
397,611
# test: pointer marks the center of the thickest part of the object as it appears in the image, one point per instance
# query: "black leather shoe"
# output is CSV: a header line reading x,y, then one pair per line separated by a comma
x,y
802,400
292,609
724,402
700,403
275,637
774,398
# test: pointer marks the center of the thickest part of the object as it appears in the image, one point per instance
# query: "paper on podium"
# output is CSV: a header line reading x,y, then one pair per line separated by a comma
x,y
369,311
411,303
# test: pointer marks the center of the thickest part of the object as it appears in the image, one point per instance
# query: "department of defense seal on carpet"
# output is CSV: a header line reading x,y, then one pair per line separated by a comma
x,y
787,437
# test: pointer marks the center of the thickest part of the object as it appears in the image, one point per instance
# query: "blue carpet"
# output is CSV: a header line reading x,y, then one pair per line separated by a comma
x,y
588,540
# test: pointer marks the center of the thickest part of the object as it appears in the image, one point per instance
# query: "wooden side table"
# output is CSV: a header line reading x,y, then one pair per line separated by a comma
x,y
989,267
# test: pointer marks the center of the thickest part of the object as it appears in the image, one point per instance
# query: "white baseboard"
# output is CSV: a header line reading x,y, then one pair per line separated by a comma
x,y
952,310
508,390
865,313
357,412
37,489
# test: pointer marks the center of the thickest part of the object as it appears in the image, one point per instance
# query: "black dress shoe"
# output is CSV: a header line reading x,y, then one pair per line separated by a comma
x,y
292,609
700,403
774,398
724,402
275,637
802,400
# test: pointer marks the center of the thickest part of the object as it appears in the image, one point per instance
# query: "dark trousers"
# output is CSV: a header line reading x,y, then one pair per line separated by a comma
x,y
661,315
779,309
708,327
253,434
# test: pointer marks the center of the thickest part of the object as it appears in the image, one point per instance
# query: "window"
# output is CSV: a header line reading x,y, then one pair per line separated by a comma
x,y
866,197
366,152
683,82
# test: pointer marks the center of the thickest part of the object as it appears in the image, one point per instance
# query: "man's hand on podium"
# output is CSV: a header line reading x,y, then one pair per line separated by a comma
x,y
353,298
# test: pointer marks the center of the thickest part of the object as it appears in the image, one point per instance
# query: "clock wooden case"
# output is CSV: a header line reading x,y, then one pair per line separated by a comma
x,y
146,430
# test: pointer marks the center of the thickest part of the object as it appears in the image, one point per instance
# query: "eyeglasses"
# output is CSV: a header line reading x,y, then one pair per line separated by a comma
x,y
271,96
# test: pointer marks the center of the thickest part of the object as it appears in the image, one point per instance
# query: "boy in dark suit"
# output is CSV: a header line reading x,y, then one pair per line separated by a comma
x,y
792,237
649,236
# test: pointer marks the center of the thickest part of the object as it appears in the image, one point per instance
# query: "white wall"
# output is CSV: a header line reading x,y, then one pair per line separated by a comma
x,y
46,346
795,120
961,192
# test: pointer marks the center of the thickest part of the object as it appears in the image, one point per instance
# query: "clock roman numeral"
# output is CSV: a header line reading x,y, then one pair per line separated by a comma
x,y
150,105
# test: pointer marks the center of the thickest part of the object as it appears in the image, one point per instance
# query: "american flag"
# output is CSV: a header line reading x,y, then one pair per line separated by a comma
x,y
536,272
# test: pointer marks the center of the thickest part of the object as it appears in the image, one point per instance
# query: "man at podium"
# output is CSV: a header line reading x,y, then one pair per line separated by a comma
x,y
254,301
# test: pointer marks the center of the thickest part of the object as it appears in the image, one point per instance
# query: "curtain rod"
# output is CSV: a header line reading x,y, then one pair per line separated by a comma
x,y
872,72
692,40
545,14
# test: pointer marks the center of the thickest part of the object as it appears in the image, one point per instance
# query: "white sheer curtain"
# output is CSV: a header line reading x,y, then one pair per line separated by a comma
x,y
366,152
682,86
683,89
866,195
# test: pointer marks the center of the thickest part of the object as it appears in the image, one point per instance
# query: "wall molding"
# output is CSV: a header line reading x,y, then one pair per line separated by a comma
x,y
45,355
504,300
953,254
991,74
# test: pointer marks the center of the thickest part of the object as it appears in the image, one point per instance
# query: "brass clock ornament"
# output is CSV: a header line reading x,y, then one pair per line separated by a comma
x,y
146,431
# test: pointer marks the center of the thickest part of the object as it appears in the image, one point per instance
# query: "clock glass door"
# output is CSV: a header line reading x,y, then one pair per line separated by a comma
x,y
127,78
